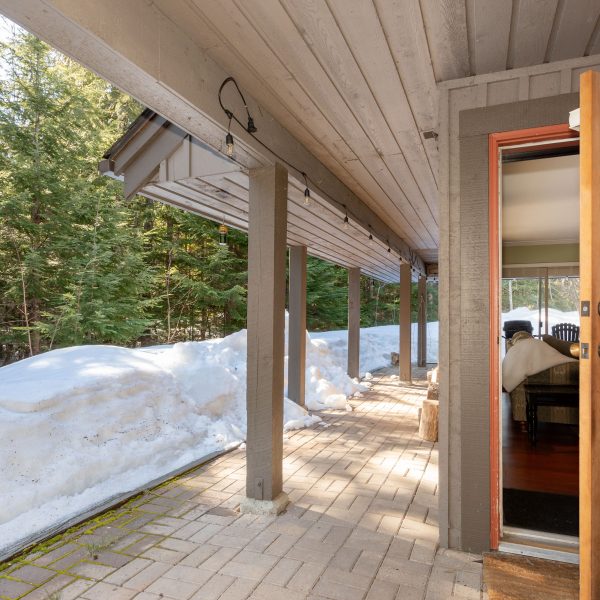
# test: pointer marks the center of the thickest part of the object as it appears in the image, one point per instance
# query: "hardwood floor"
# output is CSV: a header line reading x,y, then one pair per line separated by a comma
x,y
552,466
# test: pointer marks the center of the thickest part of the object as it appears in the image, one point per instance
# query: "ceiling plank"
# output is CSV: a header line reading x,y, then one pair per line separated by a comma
x,y
488,23
573,29
403,27
322,34
593,46
362,30
531,27
271,40
446,29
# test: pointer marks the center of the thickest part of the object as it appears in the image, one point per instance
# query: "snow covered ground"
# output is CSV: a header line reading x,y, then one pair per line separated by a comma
x,y
80,425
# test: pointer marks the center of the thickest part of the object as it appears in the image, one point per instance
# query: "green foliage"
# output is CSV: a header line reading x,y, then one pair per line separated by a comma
x,y
326,295
563,293
79,265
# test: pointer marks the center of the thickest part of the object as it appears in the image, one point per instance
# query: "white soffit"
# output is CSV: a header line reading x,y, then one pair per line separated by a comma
x,y
540,201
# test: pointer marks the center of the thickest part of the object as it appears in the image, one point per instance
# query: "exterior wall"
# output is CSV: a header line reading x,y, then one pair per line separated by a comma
x,y
471,109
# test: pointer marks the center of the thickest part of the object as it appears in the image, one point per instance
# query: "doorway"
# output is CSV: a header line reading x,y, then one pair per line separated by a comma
x,y
534,236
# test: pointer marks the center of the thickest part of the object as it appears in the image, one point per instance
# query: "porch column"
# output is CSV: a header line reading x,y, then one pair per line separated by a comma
x,y
266,339
297,325
354,322
422,328
404,361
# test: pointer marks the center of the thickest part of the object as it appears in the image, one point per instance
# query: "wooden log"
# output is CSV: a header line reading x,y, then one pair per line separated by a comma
x,y
395,358
433,391
428,424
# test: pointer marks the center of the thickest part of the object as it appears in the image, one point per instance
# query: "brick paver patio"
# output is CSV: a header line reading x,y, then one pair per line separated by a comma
x,y
362,525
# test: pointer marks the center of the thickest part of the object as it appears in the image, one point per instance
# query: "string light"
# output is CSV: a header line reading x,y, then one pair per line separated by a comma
x,y
250,128
229,137
306,191
223,233
229,144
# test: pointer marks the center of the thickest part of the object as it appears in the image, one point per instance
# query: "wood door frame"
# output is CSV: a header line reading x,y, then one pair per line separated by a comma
x,y
496,142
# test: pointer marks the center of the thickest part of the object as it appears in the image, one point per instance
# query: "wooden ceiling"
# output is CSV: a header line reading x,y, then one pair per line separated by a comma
x,y
355,81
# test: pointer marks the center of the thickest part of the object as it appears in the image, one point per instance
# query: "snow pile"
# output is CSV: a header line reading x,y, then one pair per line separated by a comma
x,y
377,344
82,424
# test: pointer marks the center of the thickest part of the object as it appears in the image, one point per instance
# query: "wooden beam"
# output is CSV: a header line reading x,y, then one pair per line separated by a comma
x,y
422,328
354,322
589,369
405,324
297,325
266,339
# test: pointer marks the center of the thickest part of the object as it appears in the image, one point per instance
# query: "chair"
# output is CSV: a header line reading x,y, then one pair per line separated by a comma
x,y
566,331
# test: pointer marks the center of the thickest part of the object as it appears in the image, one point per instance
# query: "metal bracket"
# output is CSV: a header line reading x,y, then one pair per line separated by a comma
x,y
259,488
585,351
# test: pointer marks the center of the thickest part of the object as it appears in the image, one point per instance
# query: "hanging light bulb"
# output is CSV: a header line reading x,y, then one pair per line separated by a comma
x,y
306,197
371,240
389,250
346,225
223,232
306,190
229,144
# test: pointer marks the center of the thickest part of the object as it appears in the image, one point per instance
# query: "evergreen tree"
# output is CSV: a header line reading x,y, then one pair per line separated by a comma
x,y
71,273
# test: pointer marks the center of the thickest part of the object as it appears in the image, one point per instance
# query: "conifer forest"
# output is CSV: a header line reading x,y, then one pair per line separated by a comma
x,y
80,265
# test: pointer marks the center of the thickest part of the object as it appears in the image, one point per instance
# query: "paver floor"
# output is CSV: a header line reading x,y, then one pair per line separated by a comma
x,y
362,525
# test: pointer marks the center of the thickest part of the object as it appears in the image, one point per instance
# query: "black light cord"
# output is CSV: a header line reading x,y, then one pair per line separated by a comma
x,y
251,129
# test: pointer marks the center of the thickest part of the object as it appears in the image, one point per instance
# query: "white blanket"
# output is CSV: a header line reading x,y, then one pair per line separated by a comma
x,y
528,357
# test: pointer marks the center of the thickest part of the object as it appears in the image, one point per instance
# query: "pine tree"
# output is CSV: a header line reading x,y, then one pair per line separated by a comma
x,y
71,273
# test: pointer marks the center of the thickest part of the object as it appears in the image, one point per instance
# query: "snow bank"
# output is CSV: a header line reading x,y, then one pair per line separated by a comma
x,y
377,344
555,317
82,424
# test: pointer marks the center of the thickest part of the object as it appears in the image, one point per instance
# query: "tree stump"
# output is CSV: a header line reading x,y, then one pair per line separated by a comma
x,y
428,424
433,391
395,358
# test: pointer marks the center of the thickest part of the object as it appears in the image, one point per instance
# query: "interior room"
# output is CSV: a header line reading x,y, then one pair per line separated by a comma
x,y
539,350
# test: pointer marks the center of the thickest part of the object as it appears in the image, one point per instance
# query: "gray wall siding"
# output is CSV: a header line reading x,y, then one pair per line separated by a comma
x,y
470,109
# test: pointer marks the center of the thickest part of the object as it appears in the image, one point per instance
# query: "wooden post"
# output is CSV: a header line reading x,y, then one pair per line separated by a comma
x,y
354,322
589,368
422,328
297,325
405,324
266,340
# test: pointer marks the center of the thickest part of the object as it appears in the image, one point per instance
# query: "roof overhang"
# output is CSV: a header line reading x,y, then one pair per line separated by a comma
x,y
164,163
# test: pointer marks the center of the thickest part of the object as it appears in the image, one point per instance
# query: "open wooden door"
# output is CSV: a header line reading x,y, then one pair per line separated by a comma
x,y
589,393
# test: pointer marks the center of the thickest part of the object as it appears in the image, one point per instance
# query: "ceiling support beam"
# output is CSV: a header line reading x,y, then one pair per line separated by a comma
x,y
404,361
354,322
297,325
148,56
266,341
